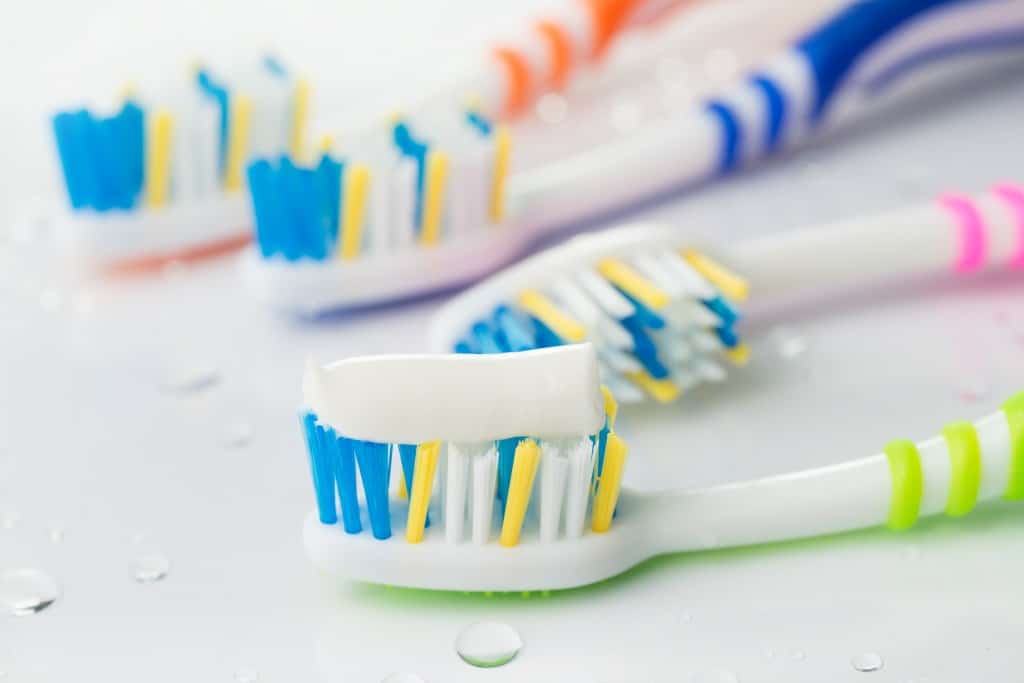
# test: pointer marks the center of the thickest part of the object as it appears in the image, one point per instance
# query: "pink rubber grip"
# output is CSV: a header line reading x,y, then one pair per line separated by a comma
x,y
973,241
1013,196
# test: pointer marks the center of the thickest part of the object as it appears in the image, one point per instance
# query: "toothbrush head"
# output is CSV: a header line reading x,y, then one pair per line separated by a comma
x,y
508,471
661,317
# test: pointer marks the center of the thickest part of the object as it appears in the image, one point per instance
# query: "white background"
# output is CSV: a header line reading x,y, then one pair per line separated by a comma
x,y
91,444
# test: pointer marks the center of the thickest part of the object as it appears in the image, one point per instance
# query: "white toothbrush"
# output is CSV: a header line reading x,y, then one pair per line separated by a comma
x,y
661,309
547,537
411,232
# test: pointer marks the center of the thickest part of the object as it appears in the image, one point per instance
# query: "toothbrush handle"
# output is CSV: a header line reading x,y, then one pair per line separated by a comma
x,y
958,233
949,473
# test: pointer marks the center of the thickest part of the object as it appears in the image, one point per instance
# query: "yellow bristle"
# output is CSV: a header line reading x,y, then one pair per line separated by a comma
x,y
433,200
739,355
732,285
542,308
611,482
637,286
402,492
327,144
524,469
300,118
128,90
238,139
158,159
611,407
502,152
357,186
422,483
662,390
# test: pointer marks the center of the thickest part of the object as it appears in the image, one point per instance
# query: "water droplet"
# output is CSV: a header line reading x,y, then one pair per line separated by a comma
x,y
27,591
9,519
56,533
685,617
769,653
151,568
488,644
867,662
237,434
798,655
400,677
552,108
140,537
191,378
49,299
247,676
625,117
715,676
788,342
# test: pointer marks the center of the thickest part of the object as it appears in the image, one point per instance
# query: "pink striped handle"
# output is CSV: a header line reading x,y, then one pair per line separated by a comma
x,y
1013,195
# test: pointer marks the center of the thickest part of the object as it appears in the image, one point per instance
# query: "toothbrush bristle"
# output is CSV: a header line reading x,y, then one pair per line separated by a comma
x,y
661,320
510,491
395,190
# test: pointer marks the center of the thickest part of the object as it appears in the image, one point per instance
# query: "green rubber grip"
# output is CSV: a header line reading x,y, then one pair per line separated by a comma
x,y
907,483
1014,411
965,464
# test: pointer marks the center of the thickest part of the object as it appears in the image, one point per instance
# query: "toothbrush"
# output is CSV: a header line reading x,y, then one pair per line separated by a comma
x,y
547,511
161,177
444,210
662,310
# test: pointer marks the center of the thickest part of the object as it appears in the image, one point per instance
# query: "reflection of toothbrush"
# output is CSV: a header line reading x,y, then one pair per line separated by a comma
x,y
494,528
860,60
660,310
161,178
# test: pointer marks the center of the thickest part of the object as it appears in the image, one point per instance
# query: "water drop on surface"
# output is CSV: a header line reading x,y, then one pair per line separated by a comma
x,y
769,653
27,591
247,676
788,342
552,108
151,568
237,434
400,677
798,655
715,676
9,519
187,379
488,644
56,533
867,662
685,617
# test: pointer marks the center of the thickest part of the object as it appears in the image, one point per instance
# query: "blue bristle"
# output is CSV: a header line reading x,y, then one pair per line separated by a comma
x,y
643,314
517,330
723,310
328,181
375,469
644,348
65,132
290,238
114,162
265,207
477,120
728,337
602,442
407,454
322,471
464,346
305,209
134,137
219,93
485,338
506,458
345,475
413,148
274,66
103,164
544,335
85,161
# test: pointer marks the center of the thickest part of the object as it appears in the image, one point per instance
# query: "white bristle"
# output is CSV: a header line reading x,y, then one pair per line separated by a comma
x,y
684,378
692,281
624,390
554,471
439,494
654,268
576,301
403,193
456,489
618,361
580,476
458,202
690,312
708,370
183,162
704,341
485,480
380,207
205,157
613,334
678,350
484,163
606,296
